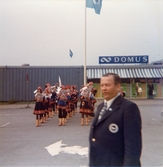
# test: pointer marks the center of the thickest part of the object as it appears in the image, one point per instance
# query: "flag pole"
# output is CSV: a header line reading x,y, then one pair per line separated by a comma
x,y
97,7
85,52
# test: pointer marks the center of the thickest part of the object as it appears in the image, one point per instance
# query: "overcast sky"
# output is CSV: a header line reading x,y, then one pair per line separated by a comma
x,y
41,32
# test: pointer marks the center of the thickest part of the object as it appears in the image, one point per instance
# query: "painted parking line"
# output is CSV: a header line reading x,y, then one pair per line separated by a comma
x,y
5,124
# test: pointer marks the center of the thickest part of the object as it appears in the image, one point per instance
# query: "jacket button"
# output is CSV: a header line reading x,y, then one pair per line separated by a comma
x,y
93,139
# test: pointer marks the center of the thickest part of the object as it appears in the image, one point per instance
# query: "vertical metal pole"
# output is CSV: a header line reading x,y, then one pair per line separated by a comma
x,y
27,94
131,95
85,50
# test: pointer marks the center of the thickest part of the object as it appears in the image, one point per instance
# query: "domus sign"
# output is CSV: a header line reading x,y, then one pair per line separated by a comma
x,y
123,59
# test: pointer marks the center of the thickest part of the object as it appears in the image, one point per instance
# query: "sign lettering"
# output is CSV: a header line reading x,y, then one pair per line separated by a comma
x,y
123,59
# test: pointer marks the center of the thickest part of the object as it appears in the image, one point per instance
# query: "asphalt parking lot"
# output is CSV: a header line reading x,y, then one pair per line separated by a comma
x,y
23,144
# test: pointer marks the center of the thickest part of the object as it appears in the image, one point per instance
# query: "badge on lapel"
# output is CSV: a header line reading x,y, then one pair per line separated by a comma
x,y
113,128
110,109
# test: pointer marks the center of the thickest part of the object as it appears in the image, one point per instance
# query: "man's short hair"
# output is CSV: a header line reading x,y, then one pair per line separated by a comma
x,y
117,79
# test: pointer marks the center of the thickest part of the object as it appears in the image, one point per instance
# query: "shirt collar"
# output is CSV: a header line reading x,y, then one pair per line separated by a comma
x,y
109,102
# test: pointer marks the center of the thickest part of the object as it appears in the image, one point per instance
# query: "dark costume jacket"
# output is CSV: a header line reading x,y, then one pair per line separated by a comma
x,y
116,140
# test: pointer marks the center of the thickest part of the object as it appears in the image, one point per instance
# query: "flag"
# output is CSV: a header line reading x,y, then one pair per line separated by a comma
x,y
71,53
96,4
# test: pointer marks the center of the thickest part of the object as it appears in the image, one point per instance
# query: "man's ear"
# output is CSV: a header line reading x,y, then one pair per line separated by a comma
x,y
118,87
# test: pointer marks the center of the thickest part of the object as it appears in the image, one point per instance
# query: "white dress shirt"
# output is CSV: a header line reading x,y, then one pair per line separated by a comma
x,y
109,102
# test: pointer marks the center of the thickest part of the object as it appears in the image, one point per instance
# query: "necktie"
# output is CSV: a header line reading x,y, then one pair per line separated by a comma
x,y
102,112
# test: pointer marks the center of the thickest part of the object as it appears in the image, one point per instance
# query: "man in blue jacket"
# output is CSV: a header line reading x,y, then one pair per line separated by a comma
x,y
115,135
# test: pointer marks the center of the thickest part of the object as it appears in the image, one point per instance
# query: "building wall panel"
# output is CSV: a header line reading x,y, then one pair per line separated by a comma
x,y
14,86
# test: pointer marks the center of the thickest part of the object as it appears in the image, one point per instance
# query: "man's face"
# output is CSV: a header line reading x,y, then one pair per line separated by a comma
x,y
108,87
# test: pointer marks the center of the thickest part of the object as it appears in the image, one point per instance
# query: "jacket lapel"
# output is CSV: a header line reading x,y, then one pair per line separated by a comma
x,y
97,113
112,109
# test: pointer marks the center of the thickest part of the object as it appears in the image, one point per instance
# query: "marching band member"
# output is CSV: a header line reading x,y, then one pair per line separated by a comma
x,y
76,93
85,103
39,107
71,103
87,99
68,108
62,105
84,108
93,100
48,86
47,103
53,100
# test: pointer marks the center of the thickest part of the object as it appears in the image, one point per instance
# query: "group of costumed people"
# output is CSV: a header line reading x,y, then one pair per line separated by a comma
x,y
64,101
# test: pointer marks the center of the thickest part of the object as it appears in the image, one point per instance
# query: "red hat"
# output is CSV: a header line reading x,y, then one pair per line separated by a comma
x,y
39,87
